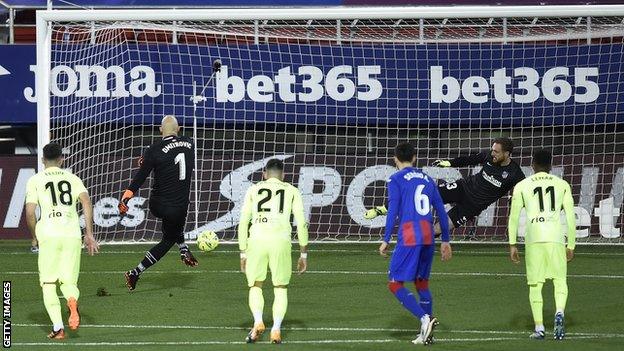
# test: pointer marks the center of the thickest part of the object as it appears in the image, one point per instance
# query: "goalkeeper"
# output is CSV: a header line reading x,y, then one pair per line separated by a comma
x,y
171,160
265,216
474,194
543,195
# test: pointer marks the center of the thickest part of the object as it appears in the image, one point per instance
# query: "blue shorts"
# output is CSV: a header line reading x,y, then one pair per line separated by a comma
x,y
409,263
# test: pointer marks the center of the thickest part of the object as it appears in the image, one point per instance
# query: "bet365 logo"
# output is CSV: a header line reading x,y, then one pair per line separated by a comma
x,y
309,84
557,85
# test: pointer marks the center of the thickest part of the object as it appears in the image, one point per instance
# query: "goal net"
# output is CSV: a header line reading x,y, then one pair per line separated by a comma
x,y
331,93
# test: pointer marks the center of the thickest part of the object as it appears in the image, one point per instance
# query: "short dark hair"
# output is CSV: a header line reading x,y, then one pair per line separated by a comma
x,y
404,152
542,158
52,151
505,143
274,164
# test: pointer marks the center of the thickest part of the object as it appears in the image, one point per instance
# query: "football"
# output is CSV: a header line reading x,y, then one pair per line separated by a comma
x,y
207,241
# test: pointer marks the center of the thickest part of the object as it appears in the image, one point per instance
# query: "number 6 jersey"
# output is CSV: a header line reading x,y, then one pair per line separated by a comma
x,y
411,196
56,191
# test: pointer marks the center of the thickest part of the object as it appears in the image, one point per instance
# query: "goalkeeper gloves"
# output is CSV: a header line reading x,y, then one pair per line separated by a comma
x,y
441,163
377,211
123,204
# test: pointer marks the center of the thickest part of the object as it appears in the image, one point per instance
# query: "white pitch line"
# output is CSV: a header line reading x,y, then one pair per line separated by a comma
x,y
344,341
349,329
459,274
176,343
371,251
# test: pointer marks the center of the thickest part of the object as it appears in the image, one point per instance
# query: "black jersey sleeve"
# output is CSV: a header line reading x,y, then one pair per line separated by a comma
x,y
144,171
471,160
520,176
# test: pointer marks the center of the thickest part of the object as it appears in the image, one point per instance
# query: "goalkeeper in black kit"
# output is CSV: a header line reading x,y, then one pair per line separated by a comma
x,y
171,159
471,195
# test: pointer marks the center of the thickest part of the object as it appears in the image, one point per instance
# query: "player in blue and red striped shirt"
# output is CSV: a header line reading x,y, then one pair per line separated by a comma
x,y
411,193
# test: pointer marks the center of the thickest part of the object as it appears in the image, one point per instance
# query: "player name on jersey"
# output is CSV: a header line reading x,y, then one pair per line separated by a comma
x,y
176,144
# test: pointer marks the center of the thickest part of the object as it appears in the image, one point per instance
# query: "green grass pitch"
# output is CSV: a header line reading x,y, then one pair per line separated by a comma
x,y
342,303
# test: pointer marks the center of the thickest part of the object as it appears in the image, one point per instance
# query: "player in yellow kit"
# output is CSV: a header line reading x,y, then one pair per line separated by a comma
x,y
57,192
544,195
265,217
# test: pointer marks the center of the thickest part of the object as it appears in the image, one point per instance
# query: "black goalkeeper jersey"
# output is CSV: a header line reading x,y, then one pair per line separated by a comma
x,y
172,159
492,182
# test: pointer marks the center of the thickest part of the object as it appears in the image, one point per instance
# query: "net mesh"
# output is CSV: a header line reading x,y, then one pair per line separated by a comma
x,y
333,98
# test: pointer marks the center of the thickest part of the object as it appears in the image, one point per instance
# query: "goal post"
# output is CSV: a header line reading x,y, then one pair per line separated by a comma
x,y
331,91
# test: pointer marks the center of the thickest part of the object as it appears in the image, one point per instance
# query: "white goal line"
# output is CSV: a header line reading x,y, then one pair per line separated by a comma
x,y
467,274
511,335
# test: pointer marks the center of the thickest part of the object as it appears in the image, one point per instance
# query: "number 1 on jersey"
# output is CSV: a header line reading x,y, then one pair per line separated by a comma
x,y
180,160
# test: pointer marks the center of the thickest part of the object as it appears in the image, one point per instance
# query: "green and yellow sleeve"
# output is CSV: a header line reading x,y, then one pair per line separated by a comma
x,y
514,214
31,191
298,213
245,219
568,207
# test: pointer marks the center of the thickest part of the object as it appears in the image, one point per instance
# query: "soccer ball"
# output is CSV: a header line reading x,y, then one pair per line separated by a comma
x,y
207,241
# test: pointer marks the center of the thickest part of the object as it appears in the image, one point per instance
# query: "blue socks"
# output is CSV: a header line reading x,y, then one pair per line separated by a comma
x,y
407,299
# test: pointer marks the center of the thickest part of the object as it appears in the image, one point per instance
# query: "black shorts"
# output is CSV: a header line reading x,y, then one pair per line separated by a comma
x,y
173,220
464,210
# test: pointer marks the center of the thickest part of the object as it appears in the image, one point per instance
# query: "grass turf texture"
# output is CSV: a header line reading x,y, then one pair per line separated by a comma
x,y
480,297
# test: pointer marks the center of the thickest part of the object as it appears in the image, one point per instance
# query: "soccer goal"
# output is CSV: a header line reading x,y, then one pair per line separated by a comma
x,y
331,91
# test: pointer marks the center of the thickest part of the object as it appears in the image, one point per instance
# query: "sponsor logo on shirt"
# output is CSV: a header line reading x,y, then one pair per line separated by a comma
x,y
491,179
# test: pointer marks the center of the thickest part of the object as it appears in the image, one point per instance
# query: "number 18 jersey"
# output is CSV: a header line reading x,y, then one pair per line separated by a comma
x,y
56,191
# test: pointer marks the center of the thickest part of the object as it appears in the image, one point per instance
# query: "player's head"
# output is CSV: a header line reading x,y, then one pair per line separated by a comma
x,y
52,155
542,161
169,126
274,169
501,150
404,153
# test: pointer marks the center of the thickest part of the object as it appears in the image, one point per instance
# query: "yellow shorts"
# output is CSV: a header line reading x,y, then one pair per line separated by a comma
x,y
269,254
545,261
59,259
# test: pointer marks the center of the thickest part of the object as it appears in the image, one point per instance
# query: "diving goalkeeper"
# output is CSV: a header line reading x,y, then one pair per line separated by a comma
x,y
472,195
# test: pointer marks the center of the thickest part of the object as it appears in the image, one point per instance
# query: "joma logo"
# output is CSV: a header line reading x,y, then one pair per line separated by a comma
x,y
98,81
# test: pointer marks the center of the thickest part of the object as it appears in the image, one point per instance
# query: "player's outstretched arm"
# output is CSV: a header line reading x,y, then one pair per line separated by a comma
x,y
441,163
89,239
145,168
472,160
